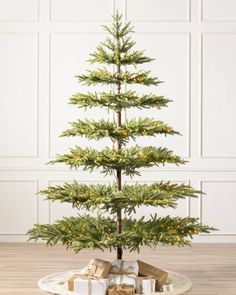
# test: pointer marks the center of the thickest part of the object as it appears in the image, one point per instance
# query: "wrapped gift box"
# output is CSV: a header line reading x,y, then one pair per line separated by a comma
x,y
71,280
122,289
145,285
123,272
83,285
168,288
97,268
159,275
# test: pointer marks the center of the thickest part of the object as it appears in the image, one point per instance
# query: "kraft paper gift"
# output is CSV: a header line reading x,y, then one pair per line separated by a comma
x,y
97,268
121,290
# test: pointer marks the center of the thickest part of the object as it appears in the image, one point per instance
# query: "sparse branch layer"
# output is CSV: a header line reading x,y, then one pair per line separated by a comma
x,y
108,198
126,160
103,57
119,101
100,233
103,76
128,130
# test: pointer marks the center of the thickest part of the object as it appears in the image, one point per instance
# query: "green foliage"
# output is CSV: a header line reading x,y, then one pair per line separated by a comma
x,y
117,52
129,160
118,30
129,130
100,232
102,56
117,102
103,76
108,198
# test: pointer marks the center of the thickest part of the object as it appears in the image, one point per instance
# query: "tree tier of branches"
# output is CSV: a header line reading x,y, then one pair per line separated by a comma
x,y
118,102
127,160
100,232
108,198
128,130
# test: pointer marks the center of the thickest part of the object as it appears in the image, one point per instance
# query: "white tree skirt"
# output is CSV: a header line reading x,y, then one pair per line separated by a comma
x,y
57,283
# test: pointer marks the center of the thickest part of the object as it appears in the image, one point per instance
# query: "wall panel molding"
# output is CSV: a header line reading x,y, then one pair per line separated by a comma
x,y
154,15
65,13
222,102
10,94
19,11
20,216
220,8
213,213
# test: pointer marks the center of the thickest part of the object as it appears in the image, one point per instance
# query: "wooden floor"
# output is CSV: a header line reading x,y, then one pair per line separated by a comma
x,y
212,267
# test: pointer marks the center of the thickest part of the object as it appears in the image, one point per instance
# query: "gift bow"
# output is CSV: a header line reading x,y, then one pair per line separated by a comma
x,y
128,271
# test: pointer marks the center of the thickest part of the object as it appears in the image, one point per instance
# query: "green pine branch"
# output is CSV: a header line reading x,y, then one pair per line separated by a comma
x,y
123,47
158,194
102,56
100,232
128,130
76,232
162,230
118,30
103,76
119,101
126,160
108,198
86,196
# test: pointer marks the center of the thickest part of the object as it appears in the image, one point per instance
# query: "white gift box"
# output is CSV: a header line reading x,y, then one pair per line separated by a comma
x,y
123,272
83,286
145,285
167,288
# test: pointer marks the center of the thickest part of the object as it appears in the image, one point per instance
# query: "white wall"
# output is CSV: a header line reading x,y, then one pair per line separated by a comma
x,y
44,44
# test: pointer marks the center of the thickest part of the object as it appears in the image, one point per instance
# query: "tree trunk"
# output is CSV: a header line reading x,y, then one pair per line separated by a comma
x,y
119,217
118,176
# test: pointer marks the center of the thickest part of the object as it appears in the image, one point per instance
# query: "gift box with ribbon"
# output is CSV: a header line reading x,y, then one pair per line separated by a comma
x,y
87,285
145,285
122,289
97,268
159,275
70,281
123,272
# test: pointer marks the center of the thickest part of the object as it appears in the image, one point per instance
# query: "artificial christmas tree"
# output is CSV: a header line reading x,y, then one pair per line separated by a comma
x,y
115,231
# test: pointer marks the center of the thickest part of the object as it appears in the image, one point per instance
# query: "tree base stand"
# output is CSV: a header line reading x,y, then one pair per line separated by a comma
x,y
57,283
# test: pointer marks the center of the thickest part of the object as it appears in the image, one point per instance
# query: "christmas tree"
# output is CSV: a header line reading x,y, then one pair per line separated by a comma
x,y
113,230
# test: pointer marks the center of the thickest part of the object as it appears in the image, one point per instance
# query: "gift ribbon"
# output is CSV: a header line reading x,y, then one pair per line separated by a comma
x,y
89,278
89,286
121,271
